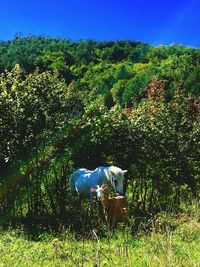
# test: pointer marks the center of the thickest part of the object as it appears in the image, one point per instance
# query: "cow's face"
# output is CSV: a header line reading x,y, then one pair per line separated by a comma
x,y
100,191
117,182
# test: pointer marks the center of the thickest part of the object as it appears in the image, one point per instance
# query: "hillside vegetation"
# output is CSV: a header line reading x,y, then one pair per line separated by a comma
x,y
65,105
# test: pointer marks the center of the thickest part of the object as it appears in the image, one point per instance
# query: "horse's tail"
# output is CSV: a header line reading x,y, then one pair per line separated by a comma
x,y
72,181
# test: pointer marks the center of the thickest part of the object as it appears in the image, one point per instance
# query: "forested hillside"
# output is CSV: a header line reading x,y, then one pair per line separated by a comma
x,y
65,105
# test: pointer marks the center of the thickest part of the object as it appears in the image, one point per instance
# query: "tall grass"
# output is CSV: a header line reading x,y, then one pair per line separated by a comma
x,y
172,241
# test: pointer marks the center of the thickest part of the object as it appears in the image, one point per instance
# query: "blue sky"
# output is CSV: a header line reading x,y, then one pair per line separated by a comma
x,y
155,22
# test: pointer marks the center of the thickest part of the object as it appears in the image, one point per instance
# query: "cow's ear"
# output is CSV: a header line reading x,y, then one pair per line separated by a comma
x,y
124,171
93,190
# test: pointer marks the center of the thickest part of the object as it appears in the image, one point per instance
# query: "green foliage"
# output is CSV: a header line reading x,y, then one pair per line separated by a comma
x,y
135,88
65,105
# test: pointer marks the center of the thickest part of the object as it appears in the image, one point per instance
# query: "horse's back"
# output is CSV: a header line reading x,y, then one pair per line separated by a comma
x,y
76,177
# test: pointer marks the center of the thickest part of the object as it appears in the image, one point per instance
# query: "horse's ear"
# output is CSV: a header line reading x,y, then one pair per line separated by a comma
x,y
93,190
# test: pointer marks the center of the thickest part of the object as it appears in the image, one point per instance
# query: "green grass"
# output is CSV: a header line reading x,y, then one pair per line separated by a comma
x,y
180,247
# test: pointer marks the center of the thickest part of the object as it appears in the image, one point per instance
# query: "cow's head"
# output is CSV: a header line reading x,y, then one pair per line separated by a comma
x,y
117,179
100,191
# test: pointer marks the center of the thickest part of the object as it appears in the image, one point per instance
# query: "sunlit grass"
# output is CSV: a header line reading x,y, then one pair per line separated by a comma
x,y
180,247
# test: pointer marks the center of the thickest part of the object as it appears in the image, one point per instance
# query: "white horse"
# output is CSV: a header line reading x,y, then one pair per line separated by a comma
x,y
82,180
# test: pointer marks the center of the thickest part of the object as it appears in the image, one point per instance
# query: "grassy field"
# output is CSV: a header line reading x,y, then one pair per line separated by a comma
x,y
178,247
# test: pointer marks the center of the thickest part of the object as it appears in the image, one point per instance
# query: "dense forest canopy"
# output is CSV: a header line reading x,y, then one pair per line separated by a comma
x,y
67,104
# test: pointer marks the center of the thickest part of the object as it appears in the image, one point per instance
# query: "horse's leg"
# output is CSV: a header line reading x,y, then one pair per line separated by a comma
x,y
101,212
91,201
91,213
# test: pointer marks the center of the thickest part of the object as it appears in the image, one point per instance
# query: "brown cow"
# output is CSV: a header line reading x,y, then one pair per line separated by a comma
x,y
115,208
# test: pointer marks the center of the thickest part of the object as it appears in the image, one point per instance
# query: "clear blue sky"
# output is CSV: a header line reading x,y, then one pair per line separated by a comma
x,y
156,22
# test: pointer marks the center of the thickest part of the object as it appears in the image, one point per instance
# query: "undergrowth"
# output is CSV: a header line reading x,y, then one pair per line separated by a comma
x,y
167,240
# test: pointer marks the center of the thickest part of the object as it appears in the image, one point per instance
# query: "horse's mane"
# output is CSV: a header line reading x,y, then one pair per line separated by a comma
x,y
110,170
114,169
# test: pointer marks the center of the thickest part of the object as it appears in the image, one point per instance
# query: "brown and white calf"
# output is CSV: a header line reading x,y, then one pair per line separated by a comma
x,y
115,208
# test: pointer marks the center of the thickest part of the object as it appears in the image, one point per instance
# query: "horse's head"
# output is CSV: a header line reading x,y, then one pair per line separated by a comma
x,y
117,179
